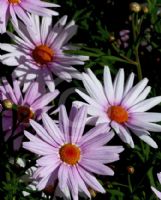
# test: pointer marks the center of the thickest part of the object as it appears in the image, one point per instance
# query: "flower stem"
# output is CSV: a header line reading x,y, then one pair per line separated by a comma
x,y
138,65
129,183
136,27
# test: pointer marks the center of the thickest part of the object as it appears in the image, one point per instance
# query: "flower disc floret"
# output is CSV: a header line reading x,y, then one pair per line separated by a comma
x,y
24,114
118,114
42,54
70,154
14,1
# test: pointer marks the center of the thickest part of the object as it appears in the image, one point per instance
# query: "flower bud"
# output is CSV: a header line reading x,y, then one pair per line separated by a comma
x,y
135,7
145,9
130,169
112,38
92,192
7,104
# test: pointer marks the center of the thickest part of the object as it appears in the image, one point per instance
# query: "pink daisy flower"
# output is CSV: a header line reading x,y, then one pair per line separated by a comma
x,y
38,52
122,106
69,156
158,194
20,8
31,106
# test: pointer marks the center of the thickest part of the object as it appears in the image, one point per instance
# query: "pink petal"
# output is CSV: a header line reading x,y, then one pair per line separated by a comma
x,y
78,124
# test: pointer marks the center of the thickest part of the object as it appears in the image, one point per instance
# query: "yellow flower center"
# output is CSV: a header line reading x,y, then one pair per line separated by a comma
x,y
24,114
42,54
14,1
118,114
70,154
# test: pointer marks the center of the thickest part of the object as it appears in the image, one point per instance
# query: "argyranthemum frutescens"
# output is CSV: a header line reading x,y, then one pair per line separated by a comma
x,y
69,156
38,52
121,105
20,8
29,106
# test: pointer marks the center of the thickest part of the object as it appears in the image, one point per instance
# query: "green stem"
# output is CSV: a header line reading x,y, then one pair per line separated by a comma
x,y
129,183
133,26
119,184
138,65
123,56
136,27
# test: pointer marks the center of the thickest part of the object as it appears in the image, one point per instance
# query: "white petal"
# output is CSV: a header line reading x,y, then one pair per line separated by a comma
x,y
159,177
134,92
125,135
109,90
145,105
129,83
93,89
146,125
115,126
158,193
143,95
143,135
147,116
89,99
45,27
119,86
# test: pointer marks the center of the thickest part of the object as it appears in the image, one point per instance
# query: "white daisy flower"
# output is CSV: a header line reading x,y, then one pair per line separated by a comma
x,y
121,105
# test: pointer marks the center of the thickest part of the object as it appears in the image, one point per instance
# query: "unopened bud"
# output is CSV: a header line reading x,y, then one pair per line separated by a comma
x,y
145,9
130,169
135,7
7,104
92,192
112,38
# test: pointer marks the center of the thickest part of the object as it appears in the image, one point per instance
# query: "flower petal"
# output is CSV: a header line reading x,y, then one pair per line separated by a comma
x,y
78,124
109,90
90,180
134,92
52,129
96,167
145,105
119,86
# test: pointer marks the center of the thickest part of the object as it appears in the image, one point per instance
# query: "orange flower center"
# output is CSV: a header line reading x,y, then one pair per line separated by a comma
x,y
42,54
70,154
24,113
14,1
118,114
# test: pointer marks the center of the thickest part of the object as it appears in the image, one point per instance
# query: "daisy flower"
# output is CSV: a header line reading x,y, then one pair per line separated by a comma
x,y
121,105
20,9
38,52
158,194
32,105
68,156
